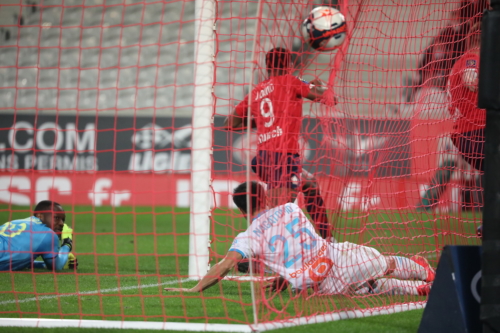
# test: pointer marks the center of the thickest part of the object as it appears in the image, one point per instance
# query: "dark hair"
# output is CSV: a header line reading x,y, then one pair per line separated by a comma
x,y
472,9
46,205
256,196
278,58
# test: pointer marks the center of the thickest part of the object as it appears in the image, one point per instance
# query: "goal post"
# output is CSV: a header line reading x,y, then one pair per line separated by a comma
x,y
201,161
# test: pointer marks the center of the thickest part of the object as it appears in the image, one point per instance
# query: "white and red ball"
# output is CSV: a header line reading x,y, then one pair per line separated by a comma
x,y
324,28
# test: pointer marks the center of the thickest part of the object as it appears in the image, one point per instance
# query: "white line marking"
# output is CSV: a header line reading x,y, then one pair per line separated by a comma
x,y
135,325
332,316
93,292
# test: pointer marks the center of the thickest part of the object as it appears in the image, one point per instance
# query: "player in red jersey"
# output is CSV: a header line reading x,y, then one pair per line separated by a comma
x,y
276,111
470,121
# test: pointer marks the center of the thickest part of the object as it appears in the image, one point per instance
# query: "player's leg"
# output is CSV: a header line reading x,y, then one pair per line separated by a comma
x,y
355,266
315,204
414,268
270,167
363,266
471,147
397,287
448,162
282,178
285,179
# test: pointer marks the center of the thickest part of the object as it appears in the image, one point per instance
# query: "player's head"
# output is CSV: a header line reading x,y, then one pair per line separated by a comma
x,y
257,197
471,11
278,60
51,214
474,36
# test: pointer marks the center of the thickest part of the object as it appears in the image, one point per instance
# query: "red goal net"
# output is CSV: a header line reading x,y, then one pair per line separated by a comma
x,y
115,109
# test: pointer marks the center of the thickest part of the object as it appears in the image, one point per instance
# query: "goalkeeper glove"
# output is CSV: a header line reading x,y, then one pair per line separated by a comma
x,y
68,242
72,263
67,232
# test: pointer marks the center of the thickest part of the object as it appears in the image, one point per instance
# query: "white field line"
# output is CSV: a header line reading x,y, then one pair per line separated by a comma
x,y
93,292
56,323
334,316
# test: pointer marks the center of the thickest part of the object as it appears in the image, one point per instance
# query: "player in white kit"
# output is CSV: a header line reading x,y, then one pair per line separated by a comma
x,y
283,240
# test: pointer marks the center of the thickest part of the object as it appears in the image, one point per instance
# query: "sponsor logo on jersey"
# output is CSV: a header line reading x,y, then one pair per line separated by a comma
x,y
313,264
471,63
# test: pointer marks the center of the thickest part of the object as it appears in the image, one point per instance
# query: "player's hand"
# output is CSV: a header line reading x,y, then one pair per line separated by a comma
x,y
72,263
276,284
318,83
68,242
67,232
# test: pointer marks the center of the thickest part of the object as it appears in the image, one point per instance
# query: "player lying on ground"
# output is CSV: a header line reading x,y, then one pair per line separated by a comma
x,y
276,109
284,240
22,241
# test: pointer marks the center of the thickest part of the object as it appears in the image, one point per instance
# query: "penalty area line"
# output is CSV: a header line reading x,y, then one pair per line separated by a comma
x,y
94,292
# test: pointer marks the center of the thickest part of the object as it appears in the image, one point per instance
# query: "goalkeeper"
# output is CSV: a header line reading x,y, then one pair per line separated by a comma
x,y
22,241
285,241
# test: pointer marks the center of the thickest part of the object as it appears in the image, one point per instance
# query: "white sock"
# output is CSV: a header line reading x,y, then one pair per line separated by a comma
x,y
407,269
397,287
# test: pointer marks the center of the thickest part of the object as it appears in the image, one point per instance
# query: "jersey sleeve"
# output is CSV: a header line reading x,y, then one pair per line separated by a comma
x,y
241,245
49,247
242,107
54,256
302,87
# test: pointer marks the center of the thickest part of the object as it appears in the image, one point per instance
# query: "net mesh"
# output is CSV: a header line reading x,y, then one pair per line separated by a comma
x,y
96,101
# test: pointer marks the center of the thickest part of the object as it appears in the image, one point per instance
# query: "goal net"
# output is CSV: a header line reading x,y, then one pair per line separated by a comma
x,y
115,109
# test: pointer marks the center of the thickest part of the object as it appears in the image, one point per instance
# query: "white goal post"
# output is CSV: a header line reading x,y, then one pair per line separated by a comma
x,y
201,152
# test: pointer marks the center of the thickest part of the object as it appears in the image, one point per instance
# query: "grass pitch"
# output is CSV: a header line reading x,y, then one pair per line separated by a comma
x,y
128,255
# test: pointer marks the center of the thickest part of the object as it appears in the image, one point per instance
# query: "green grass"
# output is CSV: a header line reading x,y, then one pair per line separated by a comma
x,y
138,249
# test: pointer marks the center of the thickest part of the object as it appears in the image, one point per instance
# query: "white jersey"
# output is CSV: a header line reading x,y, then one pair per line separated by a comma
x,y
284,240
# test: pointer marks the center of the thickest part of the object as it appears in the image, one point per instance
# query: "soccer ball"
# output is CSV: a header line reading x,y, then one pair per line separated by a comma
x,y
324,28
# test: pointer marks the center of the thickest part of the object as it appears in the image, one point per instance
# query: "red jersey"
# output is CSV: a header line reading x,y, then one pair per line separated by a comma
x,y
462,91
276,105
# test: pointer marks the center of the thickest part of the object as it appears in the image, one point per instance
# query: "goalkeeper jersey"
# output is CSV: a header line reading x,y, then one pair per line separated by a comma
x,y
21,241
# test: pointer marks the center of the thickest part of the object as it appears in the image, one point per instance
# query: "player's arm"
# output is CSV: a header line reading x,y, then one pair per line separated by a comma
x,y
234,122
238,119
55,257
317,90
313,90
215,274
39,264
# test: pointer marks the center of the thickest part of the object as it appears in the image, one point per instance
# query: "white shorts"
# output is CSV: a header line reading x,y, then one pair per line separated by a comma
x,y
353,265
